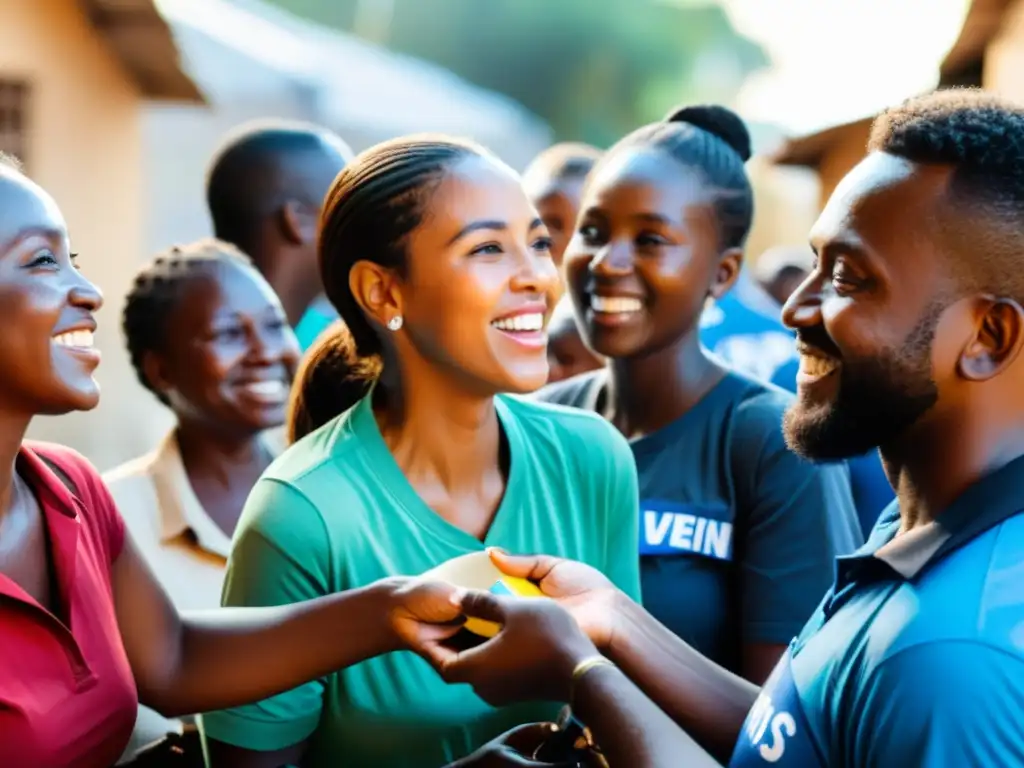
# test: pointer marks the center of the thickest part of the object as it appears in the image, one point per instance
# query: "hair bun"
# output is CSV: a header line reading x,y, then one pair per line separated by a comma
x,y
719,121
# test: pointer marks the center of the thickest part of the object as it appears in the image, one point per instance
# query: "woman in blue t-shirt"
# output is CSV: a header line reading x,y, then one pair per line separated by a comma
x,y
737,533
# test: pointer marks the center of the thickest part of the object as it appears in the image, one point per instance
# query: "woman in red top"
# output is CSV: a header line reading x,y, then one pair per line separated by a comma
x,y
85,630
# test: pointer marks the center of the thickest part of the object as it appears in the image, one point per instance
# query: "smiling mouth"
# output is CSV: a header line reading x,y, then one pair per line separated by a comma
x,y
814,367
529,323
270,392
615,305
75,340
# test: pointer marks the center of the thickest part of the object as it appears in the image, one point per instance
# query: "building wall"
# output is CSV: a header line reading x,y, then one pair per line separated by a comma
x,y
785,206
848,149
85,148
1004,59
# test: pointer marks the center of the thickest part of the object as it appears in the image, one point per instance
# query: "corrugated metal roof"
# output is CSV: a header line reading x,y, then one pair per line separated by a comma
x,y
142,41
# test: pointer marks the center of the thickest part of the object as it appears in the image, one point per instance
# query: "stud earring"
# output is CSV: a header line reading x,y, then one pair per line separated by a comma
x,y
395,323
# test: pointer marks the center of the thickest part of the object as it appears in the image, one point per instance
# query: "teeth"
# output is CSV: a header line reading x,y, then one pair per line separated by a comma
x,y
80,339
812,365
520,323
615,304
268,389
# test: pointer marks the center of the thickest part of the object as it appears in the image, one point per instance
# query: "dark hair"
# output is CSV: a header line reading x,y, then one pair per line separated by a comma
x,y
982,137
245,181
156,290
567,160
373,205
714,141
329,373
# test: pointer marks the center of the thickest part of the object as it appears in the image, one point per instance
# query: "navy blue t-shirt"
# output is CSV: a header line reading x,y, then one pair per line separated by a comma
x,y
916,655
738,535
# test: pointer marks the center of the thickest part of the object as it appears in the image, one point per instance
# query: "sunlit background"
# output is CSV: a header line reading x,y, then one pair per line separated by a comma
x,y
117,105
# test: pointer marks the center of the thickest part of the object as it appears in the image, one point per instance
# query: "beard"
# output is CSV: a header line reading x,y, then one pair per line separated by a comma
x,y
877,399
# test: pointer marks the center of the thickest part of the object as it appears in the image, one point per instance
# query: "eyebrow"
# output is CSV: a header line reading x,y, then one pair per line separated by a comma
x,y
653,218
492,225
49,233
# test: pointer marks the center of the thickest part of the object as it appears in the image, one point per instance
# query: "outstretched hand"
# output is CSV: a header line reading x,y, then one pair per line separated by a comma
x,y
583,591
532,658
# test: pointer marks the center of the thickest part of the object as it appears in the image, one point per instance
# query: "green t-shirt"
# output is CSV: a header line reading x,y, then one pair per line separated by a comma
x,y
335,512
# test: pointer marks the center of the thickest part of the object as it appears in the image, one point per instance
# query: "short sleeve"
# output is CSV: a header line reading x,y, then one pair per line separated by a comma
x,y
946,704
622,558
280,555
795,518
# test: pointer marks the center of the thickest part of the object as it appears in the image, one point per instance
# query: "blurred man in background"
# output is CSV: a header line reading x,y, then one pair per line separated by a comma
x,y
780,270
264,190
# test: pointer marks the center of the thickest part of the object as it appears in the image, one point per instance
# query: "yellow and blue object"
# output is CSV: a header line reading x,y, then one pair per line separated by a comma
x,y
507,586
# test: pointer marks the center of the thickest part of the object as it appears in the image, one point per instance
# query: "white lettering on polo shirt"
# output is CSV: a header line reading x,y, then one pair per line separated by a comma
x,y
763,721
669,532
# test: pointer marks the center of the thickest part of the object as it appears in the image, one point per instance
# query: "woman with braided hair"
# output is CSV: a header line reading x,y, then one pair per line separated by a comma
x,y
209,338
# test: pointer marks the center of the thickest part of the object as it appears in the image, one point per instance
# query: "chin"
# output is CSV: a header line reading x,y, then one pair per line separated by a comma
x,y
825,433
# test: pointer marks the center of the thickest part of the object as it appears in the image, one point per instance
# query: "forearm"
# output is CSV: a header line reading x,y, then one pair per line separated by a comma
x,y
630,729
232,656
705,699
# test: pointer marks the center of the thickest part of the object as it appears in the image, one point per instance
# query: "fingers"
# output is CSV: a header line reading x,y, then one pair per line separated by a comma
x,y
484,605
532,567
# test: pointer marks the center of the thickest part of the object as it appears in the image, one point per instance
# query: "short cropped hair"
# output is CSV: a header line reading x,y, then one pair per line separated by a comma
x,y
982,137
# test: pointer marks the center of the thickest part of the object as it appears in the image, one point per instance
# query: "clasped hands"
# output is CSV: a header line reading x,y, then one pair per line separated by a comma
x,y
541,641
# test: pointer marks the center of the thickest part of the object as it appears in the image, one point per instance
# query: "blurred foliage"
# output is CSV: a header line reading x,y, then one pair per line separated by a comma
x,y
594,69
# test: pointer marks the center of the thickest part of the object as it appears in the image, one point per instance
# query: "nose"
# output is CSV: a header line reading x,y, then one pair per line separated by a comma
x,y
84,294
614,259
803,307
536,273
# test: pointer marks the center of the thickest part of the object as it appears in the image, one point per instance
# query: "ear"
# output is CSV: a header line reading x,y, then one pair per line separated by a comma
x,y
298,223
376,291
729,264
157,372
997,339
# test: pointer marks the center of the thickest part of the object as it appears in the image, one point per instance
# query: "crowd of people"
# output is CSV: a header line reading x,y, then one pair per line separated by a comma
x,y
764,534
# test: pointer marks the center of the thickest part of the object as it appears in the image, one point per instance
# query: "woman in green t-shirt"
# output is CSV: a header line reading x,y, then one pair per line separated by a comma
x,y
441,271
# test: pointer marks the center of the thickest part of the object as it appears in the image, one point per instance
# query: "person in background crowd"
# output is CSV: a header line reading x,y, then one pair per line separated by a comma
x,y
442,271
86,630
554,182
731,518
264,190
780,270
911,328
326,377
209,339
568,356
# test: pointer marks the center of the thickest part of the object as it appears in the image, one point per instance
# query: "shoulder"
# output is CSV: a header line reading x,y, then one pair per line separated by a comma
x,y
564,428
76,476
577,391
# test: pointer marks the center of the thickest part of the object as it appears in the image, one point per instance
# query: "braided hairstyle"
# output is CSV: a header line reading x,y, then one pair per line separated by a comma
x,y
715,142
156,291
369,212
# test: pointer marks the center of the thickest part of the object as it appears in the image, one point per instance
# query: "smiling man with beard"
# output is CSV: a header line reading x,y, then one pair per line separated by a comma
x,y
910,330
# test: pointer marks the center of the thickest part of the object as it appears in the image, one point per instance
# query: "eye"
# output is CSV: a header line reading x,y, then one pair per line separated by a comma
x,y
231,333
542,244
843,278
590,234
487,249
44,257
650,240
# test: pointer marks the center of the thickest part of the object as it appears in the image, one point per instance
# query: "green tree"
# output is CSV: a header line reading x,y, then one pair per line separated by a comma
x,y
594,69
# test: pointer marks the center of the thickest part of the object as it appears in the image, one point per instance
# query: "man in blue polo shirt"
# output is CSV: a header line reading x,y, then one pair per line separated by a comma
x,y
911,331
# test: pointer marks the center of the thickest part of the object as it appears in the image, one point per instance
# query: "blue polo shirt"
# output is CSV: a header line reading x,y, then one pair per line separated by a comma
x,y
916,655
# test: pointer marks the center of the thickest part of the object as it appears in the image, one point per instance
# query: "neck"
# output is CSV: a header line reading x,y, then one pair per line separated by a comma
x,y
647,393
295,289
934,462
217,454
438,433
12,432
